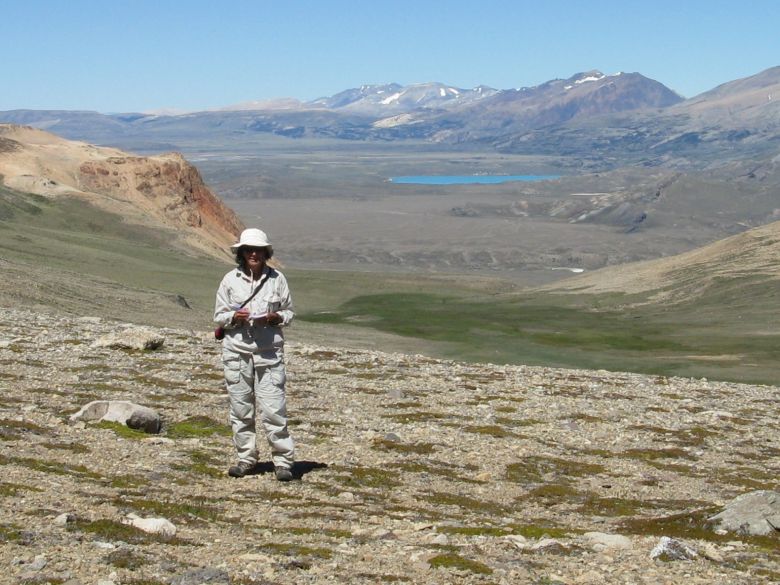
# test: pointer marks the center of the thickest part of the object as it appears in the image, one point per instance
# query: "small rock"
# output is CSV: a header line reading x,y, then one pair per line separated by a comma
x,y
550,546
392,437
518,540
440,539
669,549
347,496
160,441
396,394
39,562
181,301
345,549
599,541
210,576
254,557
64,519
383,534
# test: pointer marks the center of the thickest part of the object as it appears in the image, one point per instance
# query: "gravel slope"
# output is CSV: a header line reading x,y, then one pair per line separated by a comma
x,y
410,469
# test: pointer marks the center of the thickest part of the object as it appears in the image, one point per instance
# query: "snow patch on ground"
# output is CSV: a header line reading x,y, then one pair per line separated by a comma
x,y
589,78
393,98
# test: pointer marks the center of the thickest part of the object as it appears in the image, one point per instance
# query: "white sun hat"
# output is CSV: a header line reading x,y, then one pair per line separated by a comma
x,y
252,237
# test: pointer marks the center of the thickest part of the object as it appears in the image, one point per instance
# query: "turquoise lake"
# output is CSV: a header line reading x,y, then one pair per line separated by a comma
x,y
468,179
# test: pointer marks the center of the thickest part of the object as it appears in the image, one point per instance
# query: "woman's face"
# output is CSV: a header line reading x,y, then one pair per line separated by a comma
x,y
254,258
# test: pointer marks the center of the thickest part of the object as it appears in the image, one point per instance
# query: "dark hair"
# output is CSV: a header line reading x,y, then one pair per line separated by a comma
x,y
269,253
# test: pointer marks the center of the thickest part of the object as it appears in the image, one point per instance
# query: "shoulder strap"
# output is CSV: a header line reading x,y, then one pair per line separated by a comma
x,y
257,288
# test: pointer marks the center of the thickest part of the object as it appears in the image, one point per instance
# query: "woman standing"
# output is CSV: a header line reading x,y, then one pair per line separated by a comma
x,y
253,352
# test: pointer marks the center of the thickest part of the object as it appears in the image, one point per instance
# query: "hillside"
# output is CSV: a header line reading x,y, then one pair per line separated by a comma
x,y
162,192
410,469
752,256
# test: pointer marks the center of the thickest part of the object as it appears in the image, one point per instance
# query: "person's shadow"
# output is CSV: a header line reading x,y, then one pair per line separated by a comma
x,y
299,468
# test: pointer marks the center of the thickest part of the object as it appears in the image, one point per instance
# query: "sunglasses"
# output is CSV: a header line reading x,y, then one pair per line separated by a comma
x,y
252,249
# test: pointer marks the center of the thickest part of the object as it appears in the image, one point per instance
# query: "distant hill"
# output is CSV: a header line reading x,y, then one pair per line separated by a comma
x,y
751,258
609,120
164,192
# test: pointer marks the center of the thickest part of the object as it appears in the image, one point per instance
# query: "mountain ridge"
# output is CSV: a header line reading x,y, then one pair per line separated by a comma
x,y
164,190
608,120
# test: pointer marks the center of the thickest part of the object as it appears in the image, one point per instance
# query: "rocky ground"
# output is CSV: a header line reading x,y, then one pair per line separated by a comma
x,y
409,469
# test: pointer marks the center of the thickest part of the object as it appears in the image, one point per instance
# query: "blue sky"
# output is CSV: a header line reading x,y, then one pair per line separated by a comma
x,y
141,55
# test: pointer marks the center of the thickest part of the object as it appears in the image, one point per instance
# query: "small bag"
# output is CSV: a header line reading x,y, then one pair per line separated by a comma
x,y
219,332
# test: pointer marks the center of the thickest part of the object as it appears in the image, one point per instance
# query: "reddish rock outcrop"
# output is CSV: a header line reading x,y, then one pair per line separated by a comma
x,y
162,192
168,186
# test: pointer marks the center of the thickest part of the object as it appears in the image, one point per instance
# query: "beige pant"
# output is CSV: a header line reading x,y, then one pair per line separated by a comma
x,y
251,388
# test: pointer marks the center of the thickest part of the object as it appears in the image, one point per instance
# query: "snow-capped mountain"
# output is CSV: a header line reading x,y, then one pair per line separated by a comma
x,y
394,98
590,114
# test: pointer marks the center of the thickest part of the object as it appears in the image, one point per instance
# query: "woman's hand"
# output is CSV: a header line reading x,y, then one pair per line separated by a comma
x,y
241,316
273,319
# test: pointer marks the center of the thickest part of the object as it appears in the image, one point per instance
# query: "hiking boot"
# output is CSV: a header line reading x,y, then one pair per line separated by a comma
x,y
242,469
283,474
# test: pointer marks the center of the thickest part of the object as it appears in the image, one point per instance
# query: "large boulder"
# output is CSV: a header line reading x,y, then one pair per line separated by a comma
x,y
161,526
755,513
139,338
128,413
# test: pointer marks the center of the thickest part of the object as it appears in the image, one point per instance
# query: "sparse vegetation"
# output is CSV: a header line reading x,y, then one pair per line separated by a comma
x,y
116,531
121,430
197,426
453,561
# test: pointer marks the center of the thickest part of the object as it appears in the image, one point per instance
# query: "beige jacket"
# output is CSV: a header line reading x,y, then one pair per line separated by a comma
x,y
266,343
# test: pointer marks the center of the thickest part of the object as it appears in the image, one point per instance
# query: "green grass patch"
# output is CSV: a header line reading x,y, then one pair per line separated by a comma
x,y
128,482
697,338
203,463
415,416
539,531
496,431
693,526
474,530
533,330
197,426
124,558
655,454
121,430
113,531
15,429
535,468
459,563
465,503
372,477
55,467
77,448
11,489
10,533
172,510
297,550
